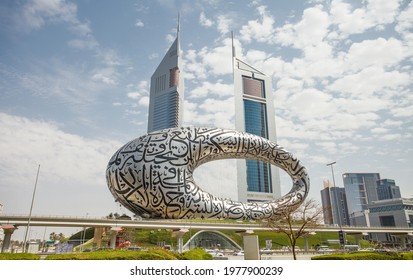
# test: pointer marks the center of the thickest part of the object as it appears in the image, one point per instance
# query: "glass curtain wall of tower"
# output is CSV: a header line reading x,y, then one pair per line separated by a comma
x,y
254,113
334,204
361,189
387,189
258,172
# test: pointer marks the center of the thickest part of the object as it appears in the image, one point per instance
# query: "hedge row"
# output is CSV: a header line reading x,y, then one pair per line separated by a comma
x,y
154,254
19,256
365,256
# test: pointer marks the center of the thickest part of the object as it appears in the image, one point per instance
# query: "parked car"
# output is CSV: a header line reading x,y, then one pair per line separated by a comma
x,y
216,254
266,251
324,249
240,253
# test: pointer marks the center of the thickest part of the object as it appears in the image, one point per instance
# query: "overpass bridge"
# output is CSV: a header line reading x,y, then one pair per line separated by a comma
x,y
10,223
17,221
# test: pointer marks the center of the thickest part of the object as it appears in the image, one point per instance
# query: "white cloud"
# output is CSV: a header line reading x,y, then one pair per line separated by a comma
x,y
216,89
211,113
310,104
370,80
83,44
260,30
153,56
351,20
38,13
379,130
204,21
144,101
170,38
105,75
209,61
405,20
405,111
134,95
139,23
309,31
224,24
69,164
222,183
390,137
54,79
140,94
379,52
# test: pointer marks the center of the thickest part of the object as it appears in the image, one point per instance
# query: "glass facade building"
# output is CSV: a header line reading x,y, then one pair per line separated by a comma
x,y
387,189
361,189
334,204
254,113
167,91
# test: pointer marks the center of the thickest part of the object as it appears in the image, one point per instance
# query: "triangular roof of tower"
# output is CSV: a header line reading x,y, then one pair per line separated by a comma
x,y
174,49
244,66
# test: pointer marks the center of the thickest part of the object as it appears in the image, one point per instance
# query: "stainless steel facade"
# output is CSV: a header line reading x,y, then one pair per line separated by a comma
x,y
153,175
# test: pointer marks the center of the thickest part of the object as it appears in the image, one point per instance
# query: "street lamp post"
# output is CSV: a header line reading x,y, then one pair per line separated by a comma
x,y
334,185
337,208
31,208
332,171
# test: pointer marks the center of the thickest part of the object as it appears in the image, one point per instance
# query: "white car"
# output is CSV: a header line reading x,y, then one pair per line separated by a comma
x,y
216,254
324,249
240,253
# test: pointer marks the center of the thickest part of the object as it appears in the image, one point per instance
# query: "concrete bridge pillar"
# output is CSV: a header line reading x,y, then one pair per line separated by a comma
x,y
8,231
97,237
113,233
402,237
358,236
403,242
251,247
179,234
306,240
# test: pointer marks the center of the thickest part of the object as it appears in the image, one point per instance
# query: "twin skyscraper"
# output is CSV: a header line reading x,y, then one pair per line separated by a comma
x,y
254,113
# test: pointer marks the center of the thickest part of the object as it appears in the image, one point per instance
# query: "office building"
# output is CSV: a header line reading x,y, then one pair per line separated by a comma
x,y
361,189
387,189
254,113
167,90
396,212
333,200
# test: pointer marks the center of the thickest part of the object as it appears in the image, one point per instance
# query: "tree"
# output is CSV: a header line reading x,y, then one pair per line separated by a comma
x,y
113,216
297,222
57,237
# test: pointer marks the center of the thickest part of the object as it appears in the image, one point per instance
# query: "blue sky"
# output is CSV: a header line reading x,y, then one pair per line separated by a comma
x,y
74,85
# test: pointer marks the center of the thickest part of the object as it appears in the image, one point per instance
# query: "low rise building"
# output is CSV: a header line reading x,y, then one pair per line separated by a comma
x,y
397,212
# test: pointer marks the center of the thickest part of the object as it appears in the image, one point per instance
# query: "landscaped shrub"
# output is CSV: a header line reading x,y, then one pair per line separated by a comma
x,y
360,256
196,254
19,256
158,254
407,256
153,254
